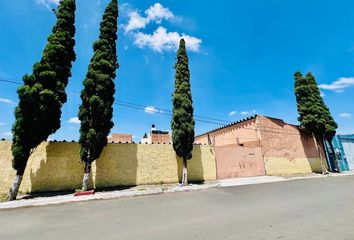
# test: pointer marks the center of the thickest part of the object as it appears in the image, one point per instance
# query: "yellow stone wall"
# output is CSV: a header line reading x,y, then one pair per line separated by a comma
x,y
57,166
284,166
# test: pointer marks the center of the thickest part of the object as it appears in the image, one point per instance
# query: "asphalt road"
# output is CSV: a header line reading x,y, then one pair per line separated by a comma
x,y
303,209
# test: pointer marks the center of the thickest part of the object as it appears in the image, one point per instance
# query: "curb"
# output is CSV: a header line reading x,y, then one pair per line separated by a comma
x,y
44,201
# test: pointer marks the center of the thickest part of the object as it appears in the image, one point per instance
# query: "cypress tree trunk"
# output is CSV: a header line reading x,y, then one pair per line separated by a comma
x,y
323,168
15,186
184,173
86,179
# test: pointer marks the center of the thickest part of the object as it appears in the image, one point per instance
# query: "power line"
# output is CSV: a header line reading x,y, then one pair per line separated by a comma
x,y
164,113
9,81
139,107
167,112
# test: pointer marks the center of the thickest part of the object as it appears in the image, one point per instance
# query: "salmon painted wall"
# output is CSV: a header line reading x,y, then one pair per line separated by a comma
x,y
242,133
288,150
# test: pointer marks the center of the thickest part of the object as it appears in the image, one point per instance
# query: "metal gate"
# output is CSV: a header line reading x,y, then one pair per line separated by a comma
x,y
236,161
348,146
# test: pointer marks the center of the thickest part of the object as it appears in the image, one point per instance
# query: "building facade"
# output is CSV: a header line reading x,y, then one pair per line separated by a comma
x,y
261,145
156,136
120,138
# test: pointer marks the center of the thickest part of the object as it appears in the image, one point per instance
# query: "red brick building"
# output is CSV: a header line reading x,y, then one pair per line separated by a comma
x,y
157,136
120,137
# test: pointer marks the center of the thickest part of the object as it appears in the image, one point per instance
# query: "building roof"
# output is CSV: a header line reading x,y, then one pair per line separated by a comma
x,y
230,124
240,121
159,132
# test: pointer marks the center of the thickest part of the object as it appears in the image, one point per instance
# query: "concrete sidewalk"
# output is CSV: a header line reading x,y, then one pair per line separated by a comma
x,y
150,190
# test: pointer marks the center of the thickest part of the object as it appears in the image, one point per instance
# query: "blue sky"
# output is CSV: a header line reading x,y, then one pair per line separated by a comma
x,y
242,57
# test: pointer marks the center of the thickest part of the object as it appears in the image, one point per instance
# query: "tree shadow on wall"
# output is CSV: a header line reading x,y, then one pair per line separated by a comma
x,y
56,171
194,166
116,169
311,152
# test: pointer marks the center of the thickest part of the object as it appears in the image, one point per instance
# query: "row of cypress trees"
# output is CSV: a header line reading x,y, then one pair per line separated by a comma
x,y
43,94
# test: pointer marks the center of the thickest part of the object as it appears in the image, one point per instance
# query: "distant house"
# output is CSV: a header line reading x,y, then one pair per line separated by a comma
x,y
120,137
260,145
156,136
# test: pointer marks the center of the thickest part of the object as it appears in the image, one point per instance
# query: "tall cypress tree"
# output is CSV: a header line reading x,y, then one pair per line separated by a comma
x,y
330,126
182,118
43,92
96,110
314,115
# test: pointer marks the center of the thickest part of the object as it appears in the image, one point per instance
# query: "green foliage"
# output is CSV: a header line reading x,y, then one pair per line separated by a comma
x,y
43,93
314,115
96,110
182,118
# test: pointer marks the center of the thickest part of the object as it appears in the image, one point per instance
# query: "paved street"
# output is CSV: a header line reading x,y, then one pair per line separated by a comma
x,y
321,208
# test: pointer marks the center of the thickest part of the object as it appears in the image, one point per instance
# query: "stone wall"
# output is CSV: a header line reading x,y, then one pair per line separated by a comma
x,y
57,166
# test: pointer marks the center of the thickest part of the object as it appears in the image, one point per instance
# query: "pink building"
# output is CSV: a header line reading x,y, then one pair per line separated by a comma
x,y
261,145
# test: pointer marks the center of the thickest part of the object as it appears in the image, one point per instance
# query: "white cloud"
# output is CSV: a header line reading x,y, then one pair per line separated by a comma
x,y
5,100
74,120
232,113
48,3
161,40
248,112
339,85
135,22
155,13
152,109
345,115
322,94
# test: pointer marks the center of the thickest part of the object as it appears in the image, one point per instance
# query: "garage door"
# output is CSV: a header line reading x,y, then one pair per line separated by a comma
x,y
235,161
